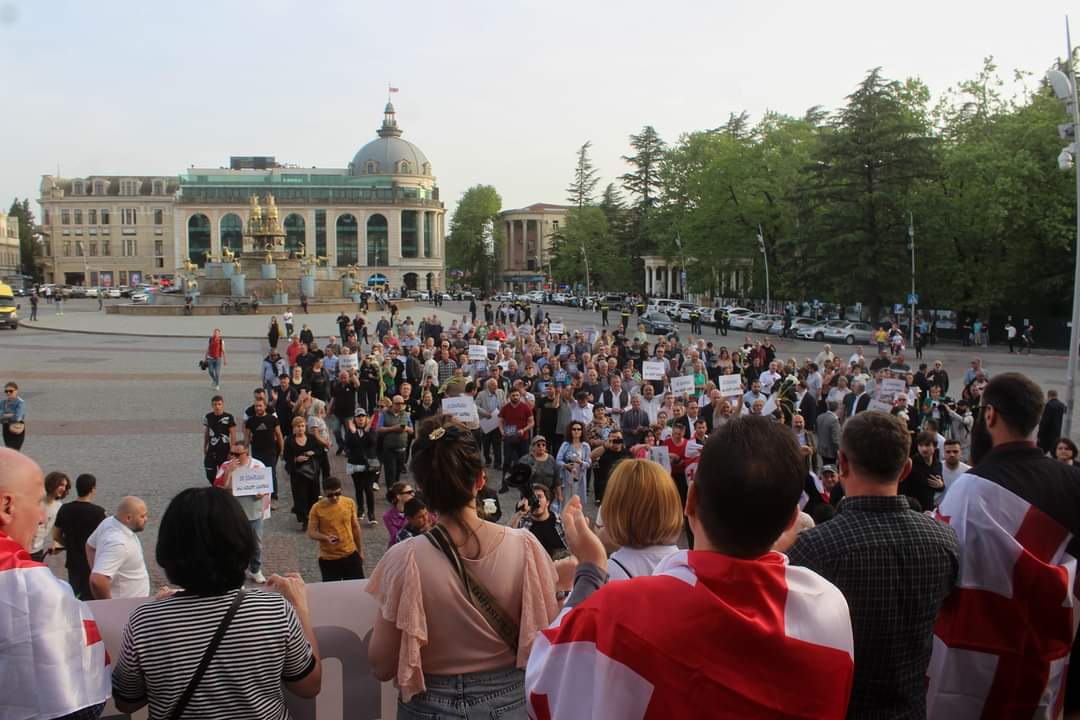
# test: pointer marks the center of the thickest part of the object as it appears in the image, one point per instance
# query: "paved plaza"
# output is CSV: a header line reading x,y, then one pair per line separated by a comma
x,y
123,398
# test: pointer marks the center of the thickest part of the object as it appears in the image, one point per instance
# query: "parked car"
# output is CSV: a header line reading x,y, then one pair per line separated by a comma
x,y
742,321
851,333
763,322
139,298
656,323
76,292
818,329
796,324
682,311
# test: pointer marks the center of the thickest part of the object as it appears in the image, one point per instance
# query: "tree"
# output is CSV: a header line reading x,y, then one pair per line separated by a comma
x,y
475,239
586,235
643,181
581,192
613,207
29,251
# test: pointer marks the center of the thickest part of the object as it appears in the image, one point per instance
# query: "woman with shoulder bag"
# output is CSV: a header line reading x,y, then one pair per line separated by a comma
x,y
302,461
361,462
13,417
459,650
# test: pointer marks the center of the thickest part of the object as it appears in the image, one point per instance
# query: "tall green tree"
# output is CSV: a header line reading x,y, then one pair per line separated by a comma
x,y
586,240
613,207
30,252
643,181
475,239
582,189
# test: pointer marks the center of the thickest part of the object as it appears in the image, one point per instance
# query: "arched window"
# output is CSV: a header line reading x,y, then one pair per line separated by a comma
x,y
347,239
294,232
403,167
410,235
372,167
427,168
428,279
378,253
198,238
232,232
410,281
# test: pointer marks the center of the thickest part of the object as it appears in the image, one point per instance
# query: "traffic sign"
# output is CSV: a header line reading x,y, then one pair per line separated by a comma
x,y
683,273
912,298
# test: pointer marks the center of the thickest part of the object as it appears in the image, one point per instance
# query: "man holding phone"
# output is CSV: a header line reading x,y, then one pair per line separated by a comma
x,y
333,522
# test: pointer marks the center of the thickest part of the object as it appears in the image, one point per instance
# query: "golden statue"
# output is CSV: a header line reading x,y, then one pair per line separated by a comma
x,y
227,254
269,258
280,287
255,218
236,266
193,285
301,249
357,286
322,260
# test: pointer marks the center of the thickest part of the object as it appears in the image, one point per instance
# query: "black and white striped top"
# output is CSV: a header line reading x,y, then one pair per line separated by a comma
x,y
165,639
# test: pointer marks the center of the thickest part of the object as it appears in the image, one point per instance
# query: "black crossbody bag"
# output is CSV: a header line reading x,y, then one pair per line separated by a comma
x,y
181,704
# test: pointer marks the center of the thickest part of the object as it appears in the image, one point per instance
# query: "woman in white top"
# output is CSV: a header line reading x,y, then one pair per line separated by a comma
x,y
642,516
57,485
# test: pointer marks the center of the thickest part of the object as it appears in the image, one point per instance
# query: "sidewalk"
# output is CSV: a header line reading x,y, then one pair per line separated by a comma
x,y
79,319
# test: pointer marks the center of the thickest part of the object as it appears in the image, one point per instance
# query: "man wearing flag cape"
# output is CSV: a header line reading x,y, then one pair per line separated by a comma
x,y
52,658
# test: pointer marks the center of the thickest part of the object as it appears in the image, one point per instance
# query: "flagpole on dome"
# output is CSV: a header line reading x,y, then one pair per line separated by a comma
x,y
390,89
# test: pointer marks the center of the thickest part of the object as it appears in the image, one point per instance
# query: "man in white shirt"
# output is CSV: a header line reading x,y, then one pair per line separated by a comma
x,y
118,569
857,357
952,466
582,409
650,401
770,376
826,355
753,394
253,505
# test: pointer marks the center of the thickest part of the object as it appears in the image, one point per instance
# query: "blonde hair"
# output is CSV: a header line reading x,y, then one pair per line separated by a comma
x,y
298,421
642,505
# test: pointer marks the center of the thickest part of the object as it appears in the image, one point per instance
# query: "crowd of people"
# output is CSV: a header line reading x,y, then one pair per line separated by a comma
x,y
831,537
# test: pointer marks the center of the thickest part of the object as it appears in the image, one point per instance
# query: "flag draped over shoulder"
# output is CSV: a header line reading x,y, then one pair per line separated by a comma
x,y
707,635
52,658
1002,639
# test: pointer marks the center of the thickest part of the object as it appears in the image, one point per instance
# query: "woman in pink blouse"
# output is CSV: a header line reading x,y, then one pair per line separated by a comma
x,y
451,659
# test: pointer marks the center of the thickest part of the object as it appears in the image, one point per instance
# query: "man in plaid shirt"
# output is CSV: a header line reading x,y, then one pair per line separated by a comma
x,y
895,567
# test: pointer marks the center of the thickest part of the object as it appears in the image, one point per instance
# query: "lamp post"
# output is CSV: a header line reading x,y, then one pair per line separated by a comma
x,y
765,257
1064,87
682,267
585,255
912,299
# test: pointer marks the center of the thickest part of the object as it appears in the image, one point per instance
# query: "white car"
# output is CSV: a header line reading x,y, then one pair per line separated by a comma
x,y
763,322
112,292
742,321
535,296
139,298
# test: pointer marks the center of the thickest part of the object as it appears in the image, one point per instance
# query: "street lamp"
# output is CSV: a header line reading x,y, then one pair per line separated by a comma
x,y
913,298
1064,87
586,256
682,263
765,257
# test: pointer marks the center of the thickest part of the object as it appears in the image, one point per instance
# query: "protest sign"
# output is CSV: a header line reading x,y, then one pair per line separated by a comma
x,y
492,346
729,385
252,481
463,408
652,370
556,328
682,384
477,352
489,424
348,361
890,388
879,406
660,455
693,449
770,406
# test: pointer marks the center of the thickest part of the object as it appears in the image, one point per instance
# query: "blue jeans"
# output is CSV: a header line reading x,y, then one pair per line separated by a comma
x,y
256,559
213,366
491,694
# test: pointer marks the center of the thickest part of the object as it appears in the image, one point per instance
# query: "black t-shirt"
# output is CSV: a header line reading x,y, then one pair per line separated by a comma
x,y
283,407
547,534
344,399
609,459
263,443
218,425
77,521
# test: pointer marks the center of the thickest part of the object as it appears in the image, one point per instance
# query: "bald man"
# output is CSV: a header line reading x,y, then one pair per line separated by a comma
x,y
50,638
118,569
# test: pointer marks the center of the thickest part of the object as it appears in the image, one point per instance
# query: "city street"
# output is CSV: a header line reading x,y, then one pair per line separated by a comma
x,y
128,407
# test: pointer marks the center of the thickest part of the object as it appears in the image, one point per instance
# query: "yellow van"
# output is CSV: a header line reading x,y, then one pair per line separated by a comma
x,y
9,311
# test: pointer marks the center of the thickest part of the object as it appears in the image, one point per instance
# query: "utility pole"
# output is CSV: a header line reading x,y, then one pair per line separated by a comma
x,y
585,255
1064,87
914,298
765,257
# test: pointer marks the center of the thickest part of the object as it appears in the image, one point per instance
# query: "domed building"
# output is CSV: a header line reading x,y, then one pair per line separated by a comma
x,y
382,213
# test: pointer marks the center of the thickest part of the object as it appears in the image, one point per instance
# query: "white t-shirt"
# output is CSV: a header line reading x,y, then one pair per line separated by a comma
x,y
638,561
43,534
948,475
119,556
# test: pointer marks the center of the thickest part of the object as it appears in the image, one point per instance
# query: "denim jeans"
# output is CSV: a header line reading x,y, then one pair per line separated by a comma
x,y
213,366
256,559
491,694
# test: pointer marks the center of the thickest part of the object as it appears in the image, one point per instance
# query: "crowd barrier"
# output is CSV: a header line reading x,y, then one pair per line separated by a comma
x,y
343,616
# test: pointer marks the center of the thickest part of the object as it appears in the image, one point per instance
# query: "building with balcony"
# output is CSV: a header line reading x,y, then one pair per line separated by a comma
x,y
10,254
527,234
381,213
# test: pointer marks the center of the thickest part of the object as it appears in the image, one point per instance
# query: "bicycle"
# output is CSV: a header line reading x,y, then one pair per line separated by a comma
x,y
240,307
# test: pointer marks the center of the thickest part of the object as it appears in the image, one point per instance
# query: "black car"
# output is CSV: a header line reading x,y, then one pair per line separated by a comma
x,y
656,323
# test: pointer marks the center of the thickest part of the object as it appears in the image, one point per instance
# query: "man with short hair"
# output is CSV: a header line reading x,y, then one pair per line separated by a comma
x,y
784,647
828,434
219,430
75,523
515,426
1003,637
395,429
952,466
332,521
240,459
1053,416
540,521
262,435
55,663
894,566
635,422
118,569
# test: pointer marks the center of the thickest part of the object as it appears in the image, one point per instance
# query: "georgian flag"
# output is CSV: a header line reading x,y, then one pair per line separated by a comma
x,y
52,658
1002,638
707,635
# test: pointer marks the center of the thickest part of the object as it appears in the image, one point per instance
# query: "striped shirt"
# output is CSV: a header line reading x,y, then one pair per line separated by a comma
x,y
164,641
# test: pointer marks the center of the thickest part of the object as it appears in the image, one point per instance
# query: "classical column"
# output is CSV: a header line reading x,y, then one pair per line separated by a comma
x,y
394,229
331,237
648,277
215,234
309,233
667,271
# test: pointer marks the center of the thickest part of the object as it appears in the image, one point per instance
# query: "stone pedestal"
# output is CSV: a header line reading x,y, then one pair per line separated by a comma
x,y
238,285
357,298
307,286
214,270
268,272
346,286
227,270
194,295
281,298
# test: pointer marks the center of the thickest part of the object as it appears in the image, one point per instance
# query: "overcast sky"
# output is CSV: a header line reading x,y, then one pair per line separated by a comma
x,y
493,92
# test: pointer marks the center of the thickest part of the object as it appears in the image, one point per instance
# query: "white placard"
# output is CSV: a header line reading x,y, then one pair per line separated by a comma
x,y
477,352
682,384
878,406
463,408
556,328
729,385
770,406
891,387
489,424
652,370
253,481
348,361
659,454
493,346
693,448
